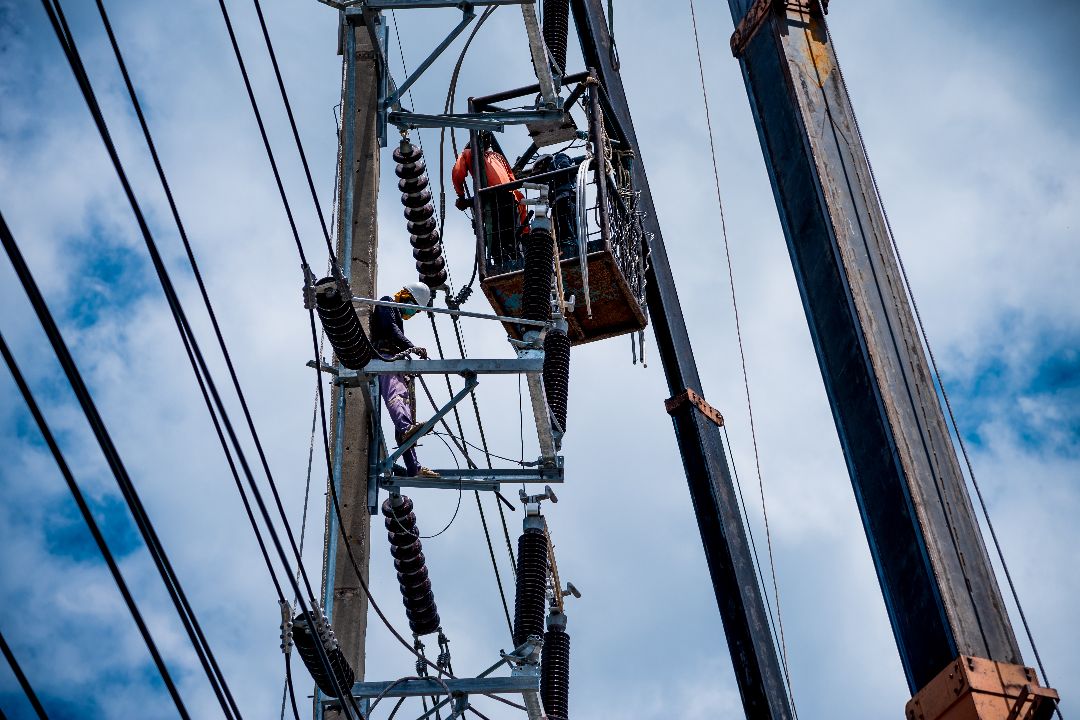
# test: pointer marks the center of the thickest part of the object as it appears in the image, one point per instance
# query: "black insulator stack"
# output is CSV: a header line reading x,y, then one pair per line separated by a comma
x,y
424,235
411,566
532,574
539,269
556,27
342,325
557,374
305,640
555,674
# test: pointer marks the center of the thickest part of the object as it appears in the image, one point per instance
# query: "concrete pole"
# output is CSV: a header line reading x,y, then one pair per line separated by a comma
x,y
357,251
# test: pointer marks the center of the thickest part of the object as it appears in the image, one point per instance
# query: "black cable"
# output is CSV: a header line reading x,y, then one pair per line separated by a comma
x,y
314,333
64,35
265,138
146,529
483,441
222,344
476,493
91,523
112,457
477,447
292,124
289,684
199,281
27,688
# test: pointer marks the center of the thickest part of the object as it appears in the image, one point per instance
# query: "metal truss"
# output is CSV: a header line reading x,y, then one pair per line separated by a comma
x,y
368,13
524,680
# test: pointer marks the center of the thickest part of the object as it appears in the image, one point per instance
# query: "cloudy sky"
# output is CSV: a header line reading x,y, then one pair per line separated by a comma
x,y
970,121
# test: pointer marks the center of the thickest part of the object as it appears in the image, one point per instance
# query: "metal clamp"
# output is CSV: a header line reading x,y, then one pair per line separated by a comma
x,y
689,396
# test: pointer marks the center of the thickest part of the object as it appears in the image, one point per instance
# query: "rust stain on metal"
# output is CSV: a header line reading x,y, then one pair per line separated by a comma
x,y
689,396
615,310
972,688
817,51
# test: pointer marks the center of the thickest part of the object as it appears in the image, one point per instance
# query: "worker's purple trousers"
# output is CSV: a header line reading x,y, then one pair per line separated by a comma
x,y
395,394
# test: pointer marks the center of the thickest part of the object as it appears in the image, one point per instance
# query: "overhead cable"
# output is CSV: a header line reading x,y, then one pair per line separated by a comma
x,y
112,457
742,360
24,683
88,519
292,124
195,354
198,279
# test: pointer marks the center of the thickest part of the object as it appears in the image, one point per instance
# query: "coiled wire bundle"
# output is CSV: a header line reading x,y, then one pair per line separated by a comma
x,y
342,326
411,566
557,374
415,187
532,575
555,671
539,269
305,640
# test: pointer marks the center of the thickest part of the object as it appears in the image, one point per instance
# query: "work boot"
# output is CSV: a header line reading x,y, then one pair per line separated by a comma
x,y
426,473
409,432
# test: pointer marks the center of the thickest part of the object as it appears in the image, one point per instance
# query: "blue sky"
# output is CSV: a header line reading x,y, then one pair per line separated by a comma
x,y
969,118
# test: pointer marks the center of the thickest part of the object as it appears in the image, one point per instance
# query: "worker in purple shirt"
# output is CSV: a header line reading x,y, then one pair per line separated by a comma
x,y
388,337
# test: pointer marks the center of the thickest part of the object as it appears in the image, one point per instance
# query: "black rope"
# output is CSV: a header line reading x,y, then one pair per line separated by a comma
x,y
24,683
91,524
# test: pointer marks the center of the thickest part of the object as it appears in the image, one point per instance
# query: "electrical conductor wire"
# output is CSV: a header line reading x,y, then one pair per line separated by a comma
x,y
55,13
91,524
191,345
742,359
17,670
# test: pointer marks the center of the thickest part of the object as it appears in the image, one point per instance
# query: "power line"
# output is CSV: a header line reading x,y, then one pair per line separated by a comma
x,y
295,131
198,279
194,354
742,360
91,523
127,489
27,688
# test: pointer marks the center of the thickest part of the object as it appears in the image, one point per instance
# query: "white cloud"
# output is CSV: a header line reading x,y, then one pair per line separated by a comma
x,y
980,180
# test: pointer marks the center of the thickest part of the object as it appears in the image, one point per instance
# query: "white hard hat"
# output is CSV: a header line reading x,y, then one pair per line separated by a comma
x,y
421,293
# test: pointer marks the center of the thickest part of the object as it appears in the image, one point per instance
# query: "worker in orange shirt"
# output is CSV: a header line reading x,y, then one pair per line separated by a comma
x,y
504,217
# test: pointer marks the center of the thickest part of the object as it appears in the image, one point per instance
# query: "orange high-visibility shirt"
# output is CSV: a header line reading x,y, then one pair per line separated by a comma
x,y
496,168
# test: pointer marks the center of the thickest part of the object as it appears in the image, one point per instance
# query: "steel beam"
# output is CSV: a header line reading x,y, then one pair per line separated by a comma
x,y
455,366
720,522
426,687
939,586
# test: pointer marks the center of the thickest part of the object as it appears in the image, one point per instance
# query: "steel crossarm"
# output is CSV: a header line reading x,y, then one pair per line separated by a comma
x,y
492,121
476,479
448,311
471,382
455,366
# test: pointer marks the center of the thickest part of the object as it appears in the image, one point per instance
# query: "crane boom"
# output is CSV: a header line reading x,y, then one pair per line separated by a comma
x,y
939,586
